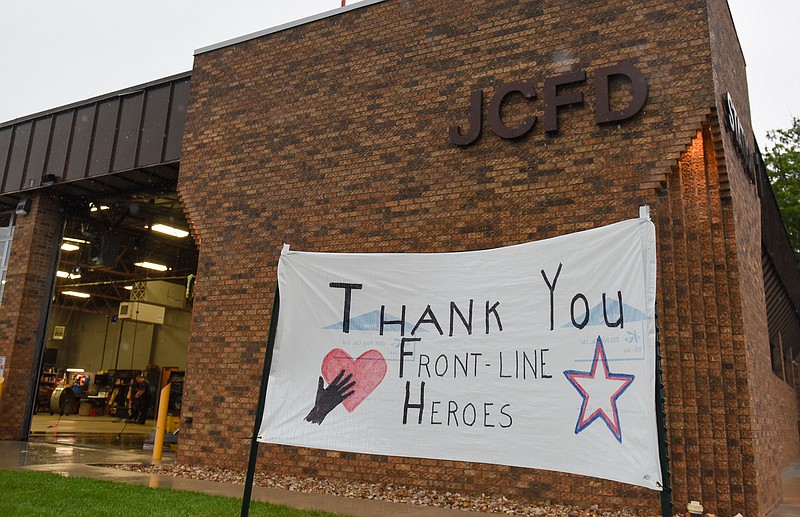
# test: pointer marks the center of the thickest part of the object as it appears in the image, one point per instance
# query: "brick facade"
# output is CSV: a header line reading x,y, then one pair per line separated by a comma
x,y
332,136
772,420
26,296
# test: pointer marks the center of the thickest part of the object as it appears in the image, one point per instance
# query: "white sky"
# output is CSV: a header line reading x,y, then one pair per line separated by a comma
x,y
56,52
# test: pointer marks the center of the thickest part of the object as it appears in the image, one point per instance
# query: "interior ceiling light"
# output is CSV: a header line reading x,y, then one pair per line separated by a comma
x,y
68,246
169,230
128,288
152,265
79,241
95,208
76,294
64,274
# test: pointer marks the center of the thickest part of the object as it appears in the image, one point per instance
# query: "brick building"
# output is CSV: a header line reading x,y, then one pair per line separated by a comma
x,y
352,132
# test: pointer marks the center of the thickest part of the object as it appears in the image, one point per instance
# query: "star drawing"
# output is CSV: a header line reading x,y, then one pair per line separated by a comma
x,y
600,389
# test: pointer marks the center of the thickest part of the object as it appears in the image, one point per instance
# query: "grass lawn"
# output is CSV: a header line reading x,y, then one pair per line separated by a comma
x,y
27,493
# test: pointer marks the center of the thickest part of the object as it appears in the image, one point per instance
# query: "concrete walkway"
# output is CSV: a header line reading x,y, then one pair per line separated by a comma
x,y
80,456
82,461
791,492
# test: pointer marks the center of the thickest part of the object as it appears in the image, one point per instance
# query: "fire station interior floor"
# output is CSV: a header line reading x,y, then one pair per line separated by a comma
x,y
104,432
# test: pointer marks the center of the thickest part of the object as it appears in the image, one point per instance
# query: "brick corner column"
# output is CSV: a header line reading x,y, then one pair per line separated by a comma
x,y
26,298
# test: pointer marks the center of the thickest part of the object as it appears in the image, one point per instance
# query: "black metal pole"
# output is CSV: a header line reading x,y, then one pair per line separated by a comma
x,y
262,397
661,424
105,342
119,345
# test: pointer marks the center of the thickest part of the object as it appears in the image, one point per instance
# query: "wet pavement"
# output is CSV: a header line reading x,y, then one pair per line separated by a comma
x,y
87,460
72,425
123,442
75,448
68,452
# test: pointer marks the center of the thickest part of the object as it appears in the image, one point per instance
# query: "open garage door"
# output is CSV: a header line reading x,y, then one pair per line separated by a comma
x,y
121,309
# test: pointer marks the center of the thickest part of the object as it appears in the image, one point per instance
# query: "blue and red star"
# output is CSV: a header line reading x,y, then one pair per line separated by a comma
x,y
599,392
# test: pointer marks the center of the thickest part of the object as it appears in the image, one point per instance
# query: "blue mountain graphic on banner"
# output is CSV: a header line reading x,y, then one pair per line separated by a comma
x,y
612,311
371,322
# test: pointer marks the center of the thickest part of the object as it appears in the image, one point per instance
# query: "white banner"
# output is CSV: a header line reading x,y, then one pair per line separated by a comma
x,y
538,355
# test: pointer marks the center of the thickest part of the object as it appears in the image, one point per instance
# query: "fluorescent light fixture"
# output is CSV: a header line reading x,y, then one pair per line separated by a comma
x,y
152,265
128,288
64,274
169,230
76,294
95,208
78,241
68,246
75,370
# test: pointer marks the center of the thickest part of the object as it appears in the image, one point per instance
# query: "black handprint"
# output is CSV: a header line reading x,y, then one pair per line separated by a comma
x,y
330,397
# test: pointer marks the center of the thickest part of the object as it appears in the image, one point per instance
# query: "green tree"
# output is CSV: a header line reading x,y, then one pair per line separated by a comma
x,y
783,166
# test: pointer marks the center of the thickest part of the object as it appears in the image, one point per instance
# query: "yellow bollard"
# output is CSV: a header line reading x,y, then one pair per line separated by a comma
x,y
161,421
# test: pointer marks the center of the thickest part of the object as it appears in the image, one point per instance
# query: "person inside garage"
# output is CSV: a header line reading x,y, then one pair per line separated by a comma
x,y
140,399
79,386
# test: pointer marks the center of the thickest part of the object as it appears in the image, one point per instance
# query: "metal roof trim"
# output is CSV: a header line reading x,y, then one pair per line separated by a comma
x,y
118,93
285,26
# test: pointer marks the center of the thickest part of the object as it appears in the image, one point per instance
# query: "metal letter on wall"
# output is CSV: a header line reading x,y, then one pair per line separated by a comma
x,y
475,121
552,100
638,89
734,126
495,120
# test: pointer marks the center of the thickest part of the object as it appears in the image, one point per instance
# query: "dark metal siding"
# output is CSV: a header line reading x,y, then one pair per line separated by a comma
x,y
38,154
128,132
79,148
19,151
135,131
781,273
781,313
59,144
5,150
154,126
180,98
103,142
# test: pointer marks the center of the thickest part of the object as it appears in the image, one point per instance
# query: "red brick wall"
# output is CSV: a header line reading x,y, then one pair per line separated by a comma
x,y
26,292
332,136
771,402
705,357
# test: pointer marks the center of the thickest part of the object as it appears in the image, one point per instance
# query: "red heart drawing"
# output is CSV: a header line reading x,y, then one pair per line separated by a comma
x,y
368,371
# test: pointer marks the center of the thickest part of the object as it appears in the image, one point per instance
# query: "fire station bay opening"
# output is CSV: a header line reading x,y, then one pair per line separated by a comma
x,y
121,307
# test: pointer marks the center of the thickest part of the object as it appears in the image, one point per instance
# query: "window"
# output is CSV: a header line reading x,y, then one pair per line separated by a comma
x,y
6,236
